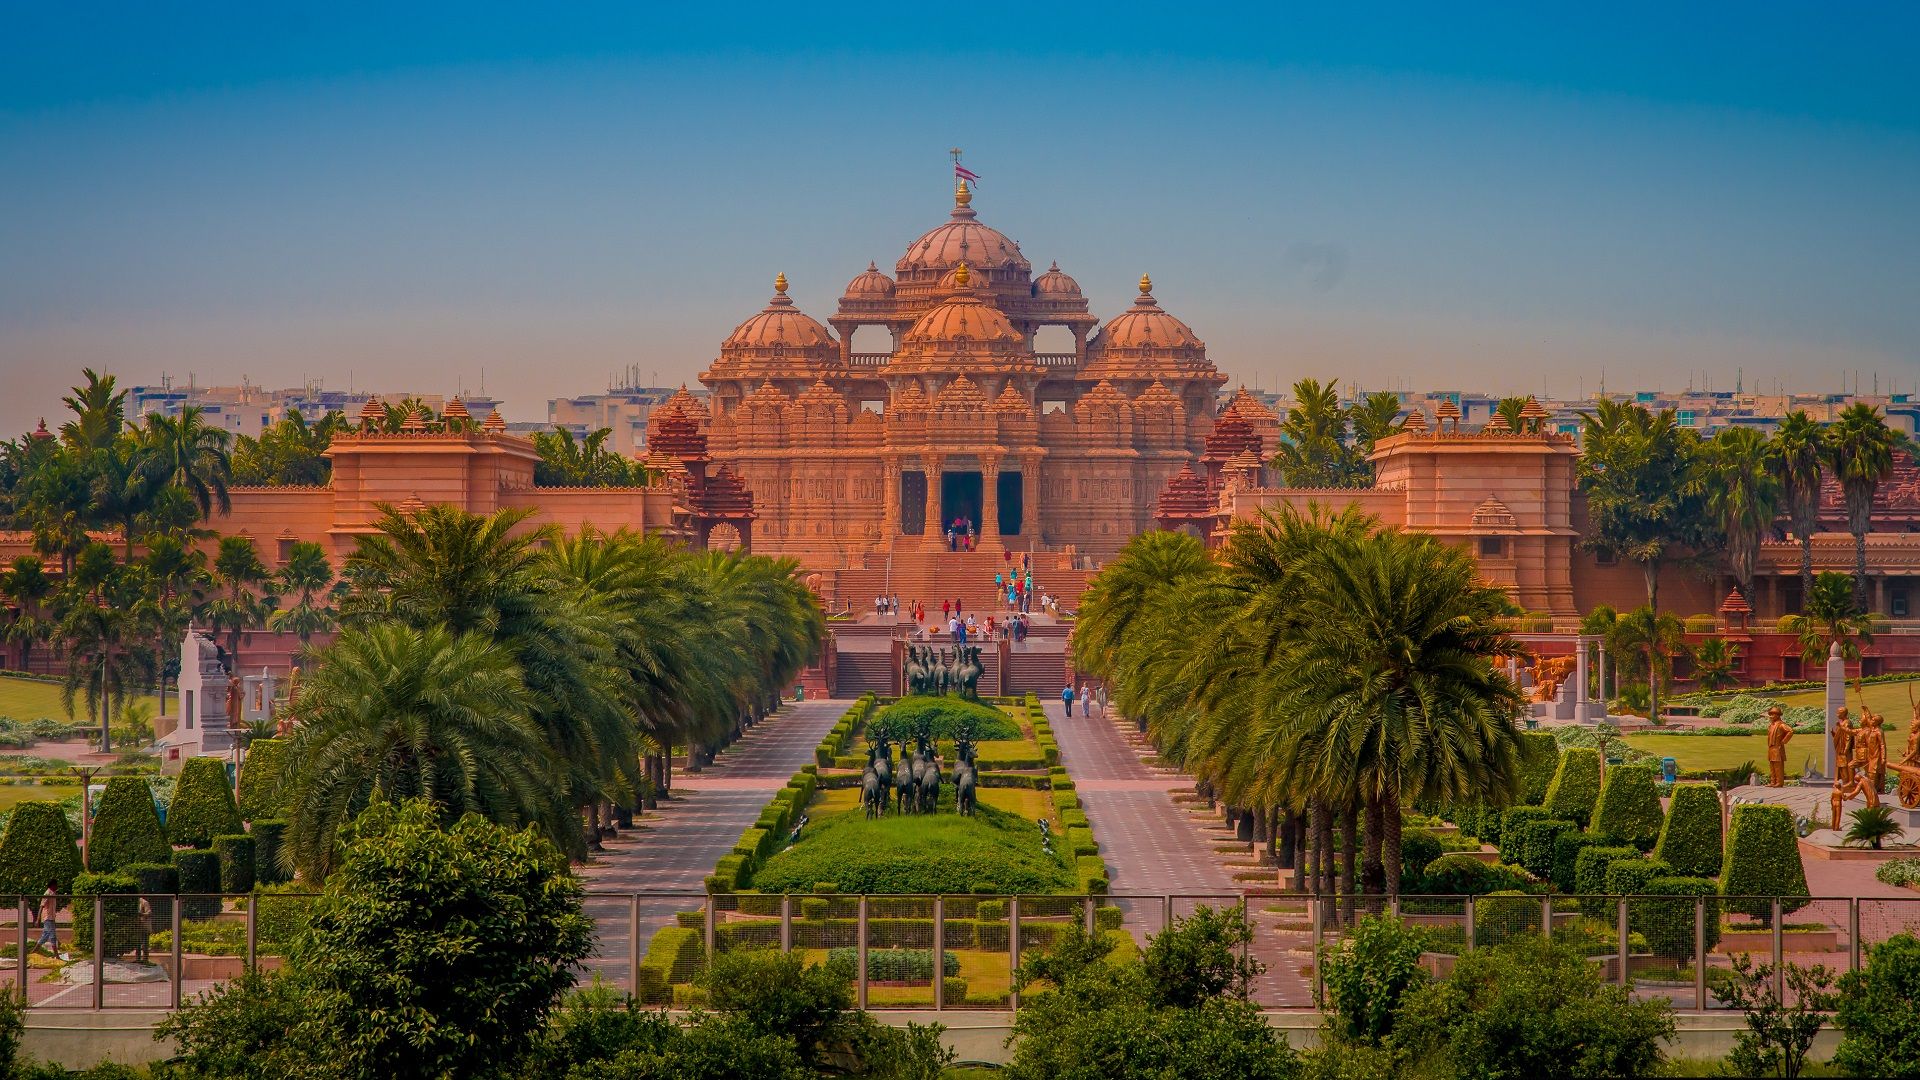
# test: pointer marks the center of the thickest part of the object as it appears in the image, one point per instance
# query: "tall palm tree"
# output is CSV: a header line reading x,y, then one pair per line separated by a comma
x,y
398,711
120,488
101,628
1123,591
1743,492
1799,452
187,452
1373,419
305,579
1644,501
1832,617
99,410
245,590
1647,639
1860,449
1510,410
1313,438
179,578
28,585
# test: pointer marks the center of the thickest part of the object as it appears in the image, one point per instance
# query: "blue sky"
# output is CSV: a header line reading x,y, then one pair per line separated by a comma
x,y
1507,198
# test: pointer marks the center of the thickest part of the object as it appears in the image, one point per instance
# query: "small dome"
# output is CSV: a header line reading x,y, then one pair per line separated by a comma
x,y
373,412
962,240
1054,285
870,285
963,317
1146,326
779,323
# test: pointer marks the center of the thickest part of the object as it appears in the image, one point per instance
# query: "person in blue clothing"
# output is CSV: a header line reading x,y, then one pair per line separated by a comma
x,y
1066,697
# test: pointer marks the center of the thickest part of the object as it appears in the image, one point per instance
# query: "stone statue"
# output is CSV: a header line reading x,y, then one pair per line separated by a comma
x,y
236,702
283,727
1869,747
967,674
1778,735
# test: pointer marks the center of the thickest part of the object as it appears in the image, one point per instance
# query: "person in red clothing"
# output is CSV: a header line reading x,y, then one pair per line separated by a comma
x,y
946,610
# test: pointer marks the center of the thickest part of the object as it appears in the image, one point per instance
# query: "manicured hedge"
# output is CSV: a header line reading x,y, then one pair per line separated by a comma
x,y
836,741
1091,874
1539,757
159,882
1487,823
1460,874
1503,916
119,916
1080,842
945,715
38,846
1628,811
673,951
203,805
236,854
1566,852
1690,839
897,965
1513,836
269,835
1668,924
1590,875
1576,785
262,778
1763,861
1418,847
126,827
1629,877
199,874
1537,856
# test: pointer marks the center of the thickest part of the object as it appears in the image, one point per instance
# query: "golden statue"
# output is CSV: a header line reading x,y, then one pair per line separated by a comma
x,y
1912,754
1869,747
1842,748
1778,735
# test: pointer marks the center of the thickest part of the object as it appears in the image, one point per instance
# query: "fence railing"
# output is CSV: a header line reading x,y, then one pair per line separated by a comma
x,y
958,952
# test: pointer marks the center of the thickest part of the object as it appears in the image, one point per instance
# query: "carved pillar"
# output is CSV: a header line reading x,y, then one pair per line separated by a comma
x,y
936,528
990,500
890,519
1030,500
1080,346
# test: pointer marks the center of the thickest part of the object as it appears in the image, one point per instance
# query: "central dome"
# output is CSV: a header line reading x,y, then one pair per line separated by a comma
x,y
963,240
962,317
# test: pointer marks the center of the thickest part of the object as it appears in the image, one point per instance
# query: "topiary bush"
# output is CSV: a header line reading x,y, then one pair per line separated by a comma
x,y
1880,1026
262,778
236,854
1537,855
1566,852
269,836
1668,924
1629,877
1460,874
1539,757
1503,916
199,876
1590,876
944,715
126,827
1628,810
1690,839
1763,861
1576,785
119,915
203,805
38,846
1513,836
1418,847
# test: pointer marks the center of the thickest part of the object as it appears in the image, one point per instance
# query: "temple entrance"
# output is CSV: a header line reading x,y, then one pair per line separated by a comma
x,y
913,503
960,497
1012,503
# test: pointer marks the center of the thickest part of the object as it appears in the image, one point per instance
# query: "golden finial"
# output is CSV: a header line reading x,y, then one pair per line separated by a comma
x,y
780,283
962,195
1146,284
961,275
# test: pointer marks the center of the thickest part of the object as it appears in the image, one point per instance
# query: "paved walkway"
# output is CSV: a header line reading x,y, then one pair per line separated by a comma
x,y
1152,846
674,850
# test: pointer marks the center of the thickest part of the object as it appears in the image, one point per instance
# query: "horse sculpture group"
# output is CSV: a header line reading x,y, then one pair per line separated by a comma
x,y
914,787
943,671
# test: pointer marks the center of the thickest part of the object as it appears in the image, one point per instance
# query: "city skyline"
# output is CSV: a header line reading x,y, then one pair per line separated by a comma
x,y
1428,208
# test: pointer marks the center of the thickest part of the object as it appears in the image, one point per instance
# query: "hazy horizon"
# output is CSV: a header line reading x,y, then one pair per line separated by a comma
x,y
1500,200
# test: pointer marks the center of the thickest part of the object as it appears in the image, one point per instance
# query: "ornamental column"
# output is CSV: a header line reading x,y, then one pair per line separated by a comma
x,y
936,529
990,500
1030,501
890,522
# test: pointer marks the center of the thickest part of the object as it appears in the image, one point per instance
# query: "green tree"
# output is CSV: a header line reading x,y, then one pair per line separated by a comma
x,y
106,641
290,451
1690,840
1368,975
188,453
203,805
28,585
126,828
1743,493
1639,472
245,596
37,846
1313,450
1832,617
1763,862
1576,786
1860,448
569,462
1510,410
415,713
1628,811
1645,641
1714,664
1880,1028
305,579
99,410
1799,452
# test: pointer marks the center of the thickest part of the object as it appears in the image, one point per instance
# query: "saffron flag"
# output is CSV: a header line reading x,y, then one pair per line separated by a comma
x,y
962,172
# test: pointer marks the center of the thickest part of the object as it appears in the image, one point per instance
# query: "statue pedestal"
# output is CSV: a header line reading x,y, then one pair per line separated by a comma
x,y
1906,817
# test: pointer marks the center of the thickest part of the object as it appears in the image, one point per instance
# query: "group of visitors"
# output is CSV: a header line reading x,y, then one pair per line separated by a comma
x,y
886,605
962,535
1087,699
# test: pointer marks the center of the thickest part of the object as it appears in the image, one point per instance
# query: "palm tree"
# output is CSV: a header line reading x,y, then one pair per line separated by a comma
x,y
179,577
101,627
28,585
1651,638
1860,450
394,711
121,492
100,412
1832,617
1510,410
187,452
1313,451
1743,493
246,597
1124,591
1638,470
1799,451
1714,661
1373,419
305,577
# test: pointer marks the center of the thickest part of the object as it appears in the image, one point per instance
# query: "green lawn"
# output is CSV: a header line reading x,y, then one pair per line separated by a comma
x,y
1888,699
997,851
30,699
1720,751
12,795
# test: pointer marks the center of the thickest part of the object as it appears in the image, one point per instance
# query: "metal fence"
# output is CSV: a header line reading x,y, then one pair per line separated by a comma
x,y
960,952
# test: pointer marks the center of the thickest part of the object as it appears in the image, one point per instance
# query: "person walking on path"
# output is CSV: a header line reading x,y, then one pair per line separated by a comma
x,y
1066,696
49,908
1102,693
946,609
1086,701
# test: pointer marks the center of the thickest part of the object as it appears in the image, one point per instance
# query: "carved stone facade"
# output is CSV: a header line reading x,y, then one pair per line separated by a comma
x,y
850,454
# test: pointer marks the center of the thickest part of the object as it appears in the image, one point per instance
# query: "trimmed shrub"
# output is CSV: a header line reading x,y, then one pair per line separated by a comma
x,y
203,805
1668,924
814,907
1590,875
1091,874
1418,847
1487,823
1566,852
38,846
1460,874
126,827
1537,855
1081,842
896,965
1513,837
1539,757
119,915
236,855
1690,839
674,955
268,837
944,715
1628,810
1763,861
262,777
199,874
1503,916
1576,785
1629,877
